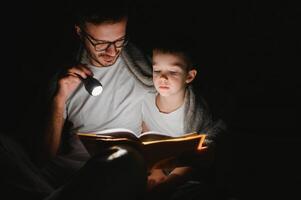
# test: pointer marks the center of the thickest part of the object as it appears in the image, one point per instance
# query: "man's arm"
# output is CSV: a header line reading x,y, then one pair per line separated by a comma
x,y
53,130
55,120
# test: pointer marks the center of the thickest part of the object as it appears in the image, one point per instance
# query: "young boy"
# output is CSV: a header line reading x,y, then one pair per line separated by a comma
x,y
173,109
172,72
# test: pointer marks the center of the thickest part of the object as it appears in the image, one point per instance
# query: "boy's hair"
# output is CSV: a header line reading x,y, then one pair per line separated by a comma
x,y
174,47
97,12
186,58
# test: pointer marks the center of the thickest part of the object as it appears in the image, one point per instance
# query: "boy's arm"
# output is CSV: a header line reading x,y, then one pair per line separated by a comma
x,y
174,179
179,175
182,171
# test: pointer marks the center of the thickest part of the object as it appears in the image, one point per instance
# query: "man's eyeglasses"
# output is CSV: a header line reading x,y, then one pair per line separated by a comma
x,y
102,45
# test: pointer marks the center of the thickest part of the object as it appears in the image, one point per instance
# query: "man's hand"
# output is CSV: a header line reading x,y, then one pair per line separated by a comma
x,y
70,81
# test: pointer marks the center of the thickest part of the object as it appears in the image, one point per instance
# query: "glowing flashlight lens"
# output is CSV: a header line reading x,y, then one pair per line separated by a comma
x,y
96,91
92,85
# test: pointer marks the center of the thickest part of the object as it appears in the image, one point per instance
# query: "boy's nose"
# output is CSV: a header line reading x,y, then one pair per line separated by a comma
x,y
163,76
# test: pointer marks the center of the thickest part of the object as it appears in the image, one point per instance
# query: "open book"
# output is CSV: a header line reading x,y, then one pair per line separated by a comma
x,y
157,148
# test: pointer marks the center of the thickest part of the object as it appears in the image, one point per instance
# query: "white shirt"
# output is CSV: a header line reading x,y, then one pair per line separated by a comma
x,y
168,123
118,106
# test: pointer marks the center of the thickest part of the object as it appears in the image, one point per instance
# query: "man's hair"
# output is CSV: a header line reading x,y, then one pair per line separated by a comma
x,y
97,11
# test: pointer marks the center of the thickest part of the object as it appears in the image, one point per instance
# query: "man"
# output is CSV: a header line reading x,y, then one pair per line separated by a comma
x,y
70,173
118,65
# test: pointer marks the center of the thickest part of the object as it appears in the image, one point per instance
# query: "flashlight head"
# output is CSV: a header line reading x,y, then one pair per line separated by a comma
x,y
93,86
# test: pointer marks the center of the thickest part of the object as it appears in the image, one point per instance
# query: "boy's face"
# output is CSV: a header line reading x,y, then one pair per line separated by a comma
x,y
170,76
103,41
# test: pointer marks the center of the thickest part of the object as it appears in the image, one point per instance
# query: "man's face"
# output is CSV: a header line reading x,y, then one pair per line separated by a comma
x,y
104,41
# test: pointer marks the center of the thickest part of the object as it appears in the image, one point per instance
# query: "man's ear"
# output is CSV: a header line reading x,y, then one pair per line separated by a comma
x,y
78,31
191,75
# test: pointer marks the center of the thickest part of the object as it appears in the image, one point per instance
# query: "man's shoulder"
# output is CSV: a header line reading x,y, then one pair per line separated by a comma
x,y
136,53
133,48
138,64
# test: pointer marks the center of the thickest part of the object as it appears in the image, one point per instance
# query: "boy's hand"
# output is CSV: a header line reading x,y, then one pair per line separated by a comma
x,y
156,177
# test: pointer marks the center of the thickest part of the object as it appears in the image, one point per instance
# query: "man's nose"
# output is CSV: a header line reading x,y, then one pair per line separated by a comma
x,y
111,49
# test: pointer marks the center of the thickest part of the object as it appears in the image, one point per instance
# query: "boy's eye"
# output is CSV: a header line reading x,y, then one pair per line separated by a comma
x,y
173,72
156,71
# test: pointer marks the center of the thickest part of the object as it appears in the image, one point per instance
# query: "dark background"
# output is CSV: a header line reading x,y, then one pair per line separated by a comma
x,y
249,55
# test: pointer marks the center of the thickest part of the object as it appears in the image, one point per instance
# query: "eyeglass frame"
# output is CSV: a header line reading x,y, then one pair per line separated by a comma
x,y
109,43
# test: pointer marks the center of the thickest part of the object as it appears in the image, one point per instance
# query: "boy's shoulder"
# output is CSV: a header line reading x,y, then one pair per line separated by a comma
x,y
150,95
149,99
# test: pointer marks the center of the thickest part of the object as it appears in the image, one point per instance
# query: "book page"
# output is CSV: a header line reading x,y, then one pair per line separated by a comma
x,y
187,137
110,134
115,130
153,136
